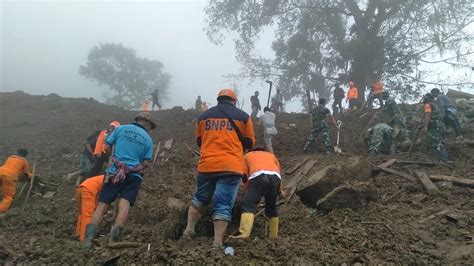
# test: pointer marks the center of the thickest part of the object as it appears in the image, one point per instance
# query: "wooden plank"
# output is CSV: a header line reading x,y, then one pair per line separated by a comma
x,y
395,172
156,153
463,182
297,166
426,182
293,183
388,163
431,217
416,162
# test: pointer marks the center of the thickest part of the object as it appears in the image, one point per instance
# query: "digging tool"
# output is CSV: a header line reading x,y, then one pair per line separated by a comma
x,y
269,92
156,153
416,135
308,97
31,184
338,125
21,190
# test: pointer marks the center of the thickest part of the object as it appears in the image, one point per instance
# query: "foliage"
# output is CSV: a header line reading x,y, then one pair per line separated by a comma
x,y
320,42
131,79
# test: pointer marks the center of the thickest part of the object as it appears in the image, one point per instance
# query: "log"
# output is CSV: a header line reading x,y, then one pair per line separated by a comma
x,y
388,163
293,183
119,245
395,172
426,182
463,182
431,217
297,166
156,153
416,162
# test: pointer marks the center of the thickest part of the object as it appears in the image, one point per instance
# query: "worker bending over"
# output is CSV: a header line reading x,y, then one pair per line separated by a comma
x,y
87,197
380,139
263,180
13,167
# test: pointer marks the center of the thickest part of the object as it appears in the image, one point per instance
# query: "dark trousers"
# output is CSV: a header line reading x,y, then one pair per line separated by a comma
x,y
98,164
267,186
337,104
451,120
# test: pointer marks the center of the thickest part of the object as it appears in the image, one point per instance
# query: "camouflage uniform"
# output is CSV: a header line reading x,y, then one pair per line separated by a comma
x,y
394,119
435,130
319,126
382,140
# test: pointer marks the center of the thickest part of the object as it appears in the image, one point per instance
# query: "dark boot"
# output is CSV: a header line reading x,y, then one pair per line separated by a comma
x,y
115,233
442,154
91,232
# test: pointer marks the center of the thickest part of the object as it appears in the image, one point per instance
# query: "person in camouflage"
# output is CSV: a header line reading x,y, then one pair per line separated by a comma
x,y
392,117
448,112
319,125
433,124
380,139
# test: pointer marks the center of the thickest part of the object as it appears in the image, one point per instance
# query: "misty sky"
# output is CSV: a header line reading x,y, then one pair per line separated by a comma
x,y
43,43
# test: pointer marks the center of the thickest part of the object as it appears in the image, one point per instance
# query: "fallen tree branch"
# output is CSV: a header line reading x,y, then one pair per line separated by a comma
x,y
395,172
463,182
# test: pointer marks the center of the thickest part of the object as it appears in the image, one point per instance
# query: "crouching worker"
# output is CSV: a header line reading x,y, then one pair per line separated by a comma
x,y
264,180
87,197
380,139
133,150
14,166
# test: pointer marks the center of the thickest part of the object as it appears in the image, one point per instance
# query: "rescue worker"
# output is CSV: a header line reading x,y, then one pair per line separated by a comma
x,y
255,105
338,95
380,139
13,167
319,125
269,129
448,112
100,155
277,102
133,151
198,104
376,93
263,179
86,159
87,197
391,115
154,97
223,133
433,125
352,96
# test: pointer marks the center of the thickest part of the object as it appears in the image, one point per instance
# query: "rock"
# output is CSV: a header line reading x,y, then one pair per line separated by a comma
x,y
33,241
176,203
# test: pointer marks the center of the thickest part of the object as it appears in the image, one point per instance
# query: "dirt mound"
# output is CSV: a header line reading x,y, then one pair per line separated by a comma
x,y
350,217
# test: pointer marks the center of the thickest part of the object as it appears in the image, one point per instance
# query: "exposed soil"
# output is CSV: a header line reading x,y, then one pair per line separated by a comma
x,y
387,228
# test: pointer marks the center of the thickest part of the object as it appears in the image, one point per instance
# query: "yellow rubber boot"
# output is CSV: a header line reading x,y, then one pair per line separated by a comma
x,y
273,227
246,224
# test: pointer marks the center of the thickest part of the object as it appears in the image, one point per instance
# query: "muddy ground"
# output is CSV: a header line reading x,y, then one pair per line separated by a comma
x,y
393,226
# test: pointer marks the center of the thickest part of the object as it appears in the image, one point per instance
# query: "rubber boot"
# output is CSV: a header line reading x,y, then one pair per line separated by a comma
x,y
91,232
273,227
246,224
115,233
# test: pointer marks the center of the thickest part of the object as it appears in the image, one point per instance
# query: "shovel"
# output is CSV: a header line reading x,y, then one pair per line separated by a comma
x,y
338,124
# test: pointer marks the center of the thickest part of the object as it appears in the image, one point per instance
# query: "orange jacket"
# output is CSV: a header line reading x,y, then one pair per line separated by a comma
x,y
261,162
221,149
100,143
378,87
93,184
14,166
352,93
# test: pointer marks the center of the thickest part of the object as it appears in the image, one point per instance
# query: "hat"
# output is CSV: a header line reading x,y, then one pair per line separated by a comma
x,y
145,116
227,92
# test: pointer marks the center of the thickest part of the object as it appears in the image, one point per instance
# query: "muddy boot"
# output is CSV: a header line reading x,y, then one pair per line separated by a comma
x,y
442,154
273,227
187,235
91,232
115,233
246,224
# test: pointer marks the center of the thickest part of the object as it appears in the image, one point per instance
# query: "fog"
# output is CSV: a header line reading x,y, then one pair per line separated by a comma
x,y
43,43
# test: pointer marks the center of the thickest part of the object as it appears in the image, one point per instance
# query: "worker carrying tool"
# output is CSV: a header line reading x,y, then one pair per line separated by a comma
x,y
87,197
433,124
10,171
392,116
132,153
223,133
380,139
100,155
263,179
319,125
352,96
376,93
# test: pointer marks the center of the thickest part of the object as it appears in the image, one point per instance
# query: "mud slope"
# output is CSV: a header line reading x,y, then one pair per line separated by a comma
x,y
393,226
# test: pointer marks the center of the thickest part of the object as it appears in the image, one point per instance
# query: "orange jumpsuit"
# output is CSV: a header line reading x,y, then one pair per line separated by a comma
x,y
14,166
87,195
